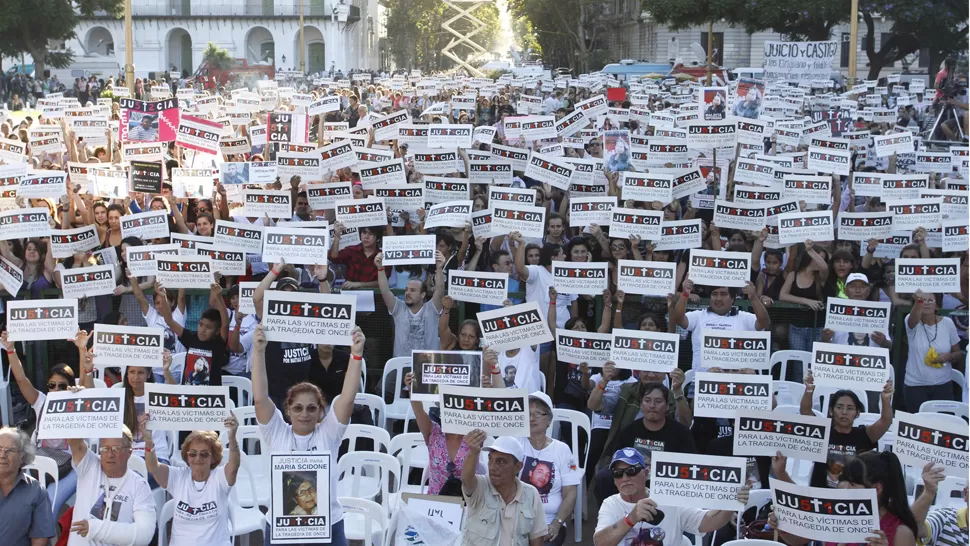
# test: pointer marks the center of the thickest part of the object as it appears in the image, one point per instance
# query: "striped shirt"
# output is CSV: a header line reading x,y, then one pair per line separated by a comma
x,y
946,527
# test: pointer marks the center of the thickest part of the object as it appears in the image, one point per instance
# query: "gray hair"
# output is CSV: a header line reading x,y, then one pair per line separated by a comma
x,y
28,451
126,437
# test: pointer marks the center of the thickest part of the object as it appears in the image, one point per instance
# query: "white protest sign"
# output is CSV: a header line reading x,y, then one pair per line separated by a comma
x,y
508,217
175,272
799,227
735,215
84,282
237,236
499,412
642,350
814,190
122,346
325,196
643,223
295,245
679,234
88,413
911,214
646,187
145,225
358,213
799,61
904,187
863,316
518,196
11,277
225,261
35,320
717,268
24,223
956,236
514,326
828,515
67,242
199,134
450,136
697,481
478,286
646,278
825,160
756,195
893,143
584,211
43,184
545,168
184,407
337,156
846,366
688,183
753,171
576,347
589,278
928,275
141,259
453,214
441,189
434,368
723,394
296,317
862,226
735,349
408,250
763,433
187,242
301,472
921,438
272,203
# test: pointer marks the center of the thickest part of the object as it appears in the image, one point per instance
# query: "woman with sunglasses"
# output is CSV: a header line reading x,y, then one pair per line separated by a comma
x,y
201,489
61,378
311,427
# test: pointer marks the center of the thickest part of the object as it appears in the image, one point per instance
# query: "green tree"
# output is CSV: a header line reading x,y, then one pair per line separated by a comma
x,y
567,30
217,57
26,26
937,26
416,37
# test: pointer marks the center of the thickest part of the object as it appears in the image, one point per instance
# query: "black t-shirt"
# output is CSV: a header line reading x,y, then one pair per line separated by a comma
x,y
288,364
331,379
707,429
673,437
758,467
842,449
204,360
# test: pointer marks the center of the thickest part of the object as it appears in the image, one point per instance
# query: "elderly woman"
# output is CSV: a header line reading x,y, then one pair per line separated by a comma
x,y
301,491
201,508
551,468
25,510
934,345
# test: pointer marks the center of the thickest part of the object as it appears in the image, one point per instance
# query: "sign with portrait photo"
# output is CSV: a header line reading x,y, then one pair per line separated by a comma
x,y
301,497
435,368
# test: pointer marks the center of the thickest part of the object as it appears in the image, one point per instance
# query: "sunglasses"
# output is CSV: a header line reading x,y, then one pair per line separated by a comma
x,y
628,471
52,386
312,408
199,454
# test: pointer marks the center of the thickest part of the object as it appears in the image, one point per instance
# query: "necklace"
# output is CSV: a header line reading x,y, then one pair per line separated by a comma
x,y
204,484
927,334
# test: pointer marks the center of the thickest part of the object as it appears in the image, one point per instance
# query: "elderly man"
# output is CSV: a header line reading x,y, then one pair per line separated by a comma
x,y
25,509
502,510
114,505
631,517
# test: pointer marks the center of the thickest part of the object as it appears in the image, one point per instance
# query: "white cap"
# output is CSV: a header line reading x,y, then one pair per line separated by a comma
x,y
509,446
857,277
542,397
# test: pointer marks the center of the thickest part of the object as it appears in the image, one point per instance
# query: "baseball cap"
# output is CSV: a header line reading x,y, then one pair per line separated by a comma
x,y
857,277
509,446
287,282
542,397
629,456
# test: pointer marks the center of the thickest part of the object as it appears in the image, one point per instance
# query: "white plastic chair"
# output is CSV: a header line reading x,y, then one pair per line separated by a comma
x,y
246,415
374,403
956,376
788,392
257,465
688,380
783,357
577,421
368,475
243,386
118,385
393,374
99,383
364,520
6,402
45,466
356,432
138,465
950,493
412,452
946,407
244,520
165,515
792,409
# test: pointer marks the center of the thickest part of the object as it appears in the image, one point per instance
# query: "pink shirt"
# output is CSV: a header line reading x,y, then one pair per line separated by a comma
x,y
438,459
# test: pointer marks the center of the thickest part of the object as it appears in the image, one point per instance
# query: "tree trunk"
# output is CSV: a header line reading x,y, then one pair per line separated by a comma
x,y
876,59
40,61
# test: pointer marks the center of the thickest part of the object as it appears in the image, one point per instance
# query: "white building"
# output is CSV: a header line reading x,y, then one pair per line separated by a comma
x,y
172,34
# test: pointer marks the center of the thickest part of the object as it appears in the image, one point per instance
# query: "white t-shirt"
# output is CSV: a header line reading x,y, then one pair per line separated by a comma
x,y
670,532
325,437
238,361
613,387
548,470
526,363
126,496
943,337
537,289
159,437
698,321
153,319
201,517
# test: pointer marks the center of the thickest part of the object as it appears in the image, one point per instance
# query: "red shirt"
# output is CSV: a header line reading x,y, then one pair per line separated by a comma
x,y
360,266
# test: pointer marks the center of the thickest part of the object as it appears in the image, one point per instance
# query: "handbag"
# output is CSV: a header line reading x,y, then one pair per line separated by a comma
x,y
61,457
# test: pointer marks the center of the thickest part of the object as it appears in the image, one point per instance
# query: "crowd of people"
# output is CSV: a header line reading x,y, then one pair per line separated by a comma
x,y
517,490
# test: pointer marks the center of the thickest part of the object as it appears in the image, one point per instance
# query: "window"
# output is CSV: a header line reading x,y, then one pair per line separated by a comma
x,y
267,52
718,57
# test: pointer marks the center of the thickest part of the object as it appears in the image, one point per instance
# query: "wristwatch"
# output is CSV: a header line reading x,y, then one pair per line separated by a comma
x,y
561,522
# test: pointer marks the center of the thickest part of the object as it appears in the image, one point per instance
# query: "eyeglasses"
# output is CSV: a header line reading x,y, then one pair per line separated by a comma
x,y
52,386
9,450
617,247
312,408
112,449
538,414
307,493
199,454
628,471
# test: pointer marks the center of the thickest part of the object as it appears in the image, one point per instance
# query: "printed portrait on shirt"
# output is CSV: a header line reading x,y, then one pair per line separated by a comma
x,y
540,474
198,363
647,536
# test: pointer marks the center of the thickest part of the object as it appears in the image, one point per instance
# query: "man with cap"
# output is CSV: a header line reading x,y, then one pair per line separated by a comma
x,y
631,517
502,510
857,287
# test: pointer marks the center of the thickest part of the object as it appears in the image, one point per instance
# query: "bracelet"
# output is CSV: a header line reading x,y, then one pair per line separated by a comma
x,y
600,386
10,352
496,370
628,522
355,357
685,294
149,449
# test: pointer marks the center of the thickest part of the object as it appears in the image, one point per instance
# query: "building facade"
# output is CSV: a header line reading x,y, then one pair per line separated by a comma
x,y
171,35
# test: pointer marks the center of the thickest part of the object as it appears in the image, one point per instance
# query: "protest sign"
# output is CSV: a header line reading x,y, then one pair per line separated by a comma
x,y
199,134
11,277
85,414
643,223
450,136
441,189
336,156
954,202
434,368
482,223
196,183
499,412
922,438
814,190
646,278
646,187
325,196
716,268
763,433
225,261
286,127
798,227
735,215
589,278
184,271
848,366
437,161
24,223
478,286
272,203
289,243
513,327
956,236
324,105
304,476
84,282
409,197
753,171
116,345
518,157
141,259
521,196
928,275
358,213
508,217
857,316
383,174
721,395
697,481
453,214
184,407
236,236
799,61
642,350
825,514
752,131
386,127
756,195
246,292
408,250
551,170
735,349
911,214
13,151
584,211
296,317
489,172
156,121
830,161
304,165
145,225
67,242
42,184
576,347
679,234
933,162
904,187
146,176
862,226
893,143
